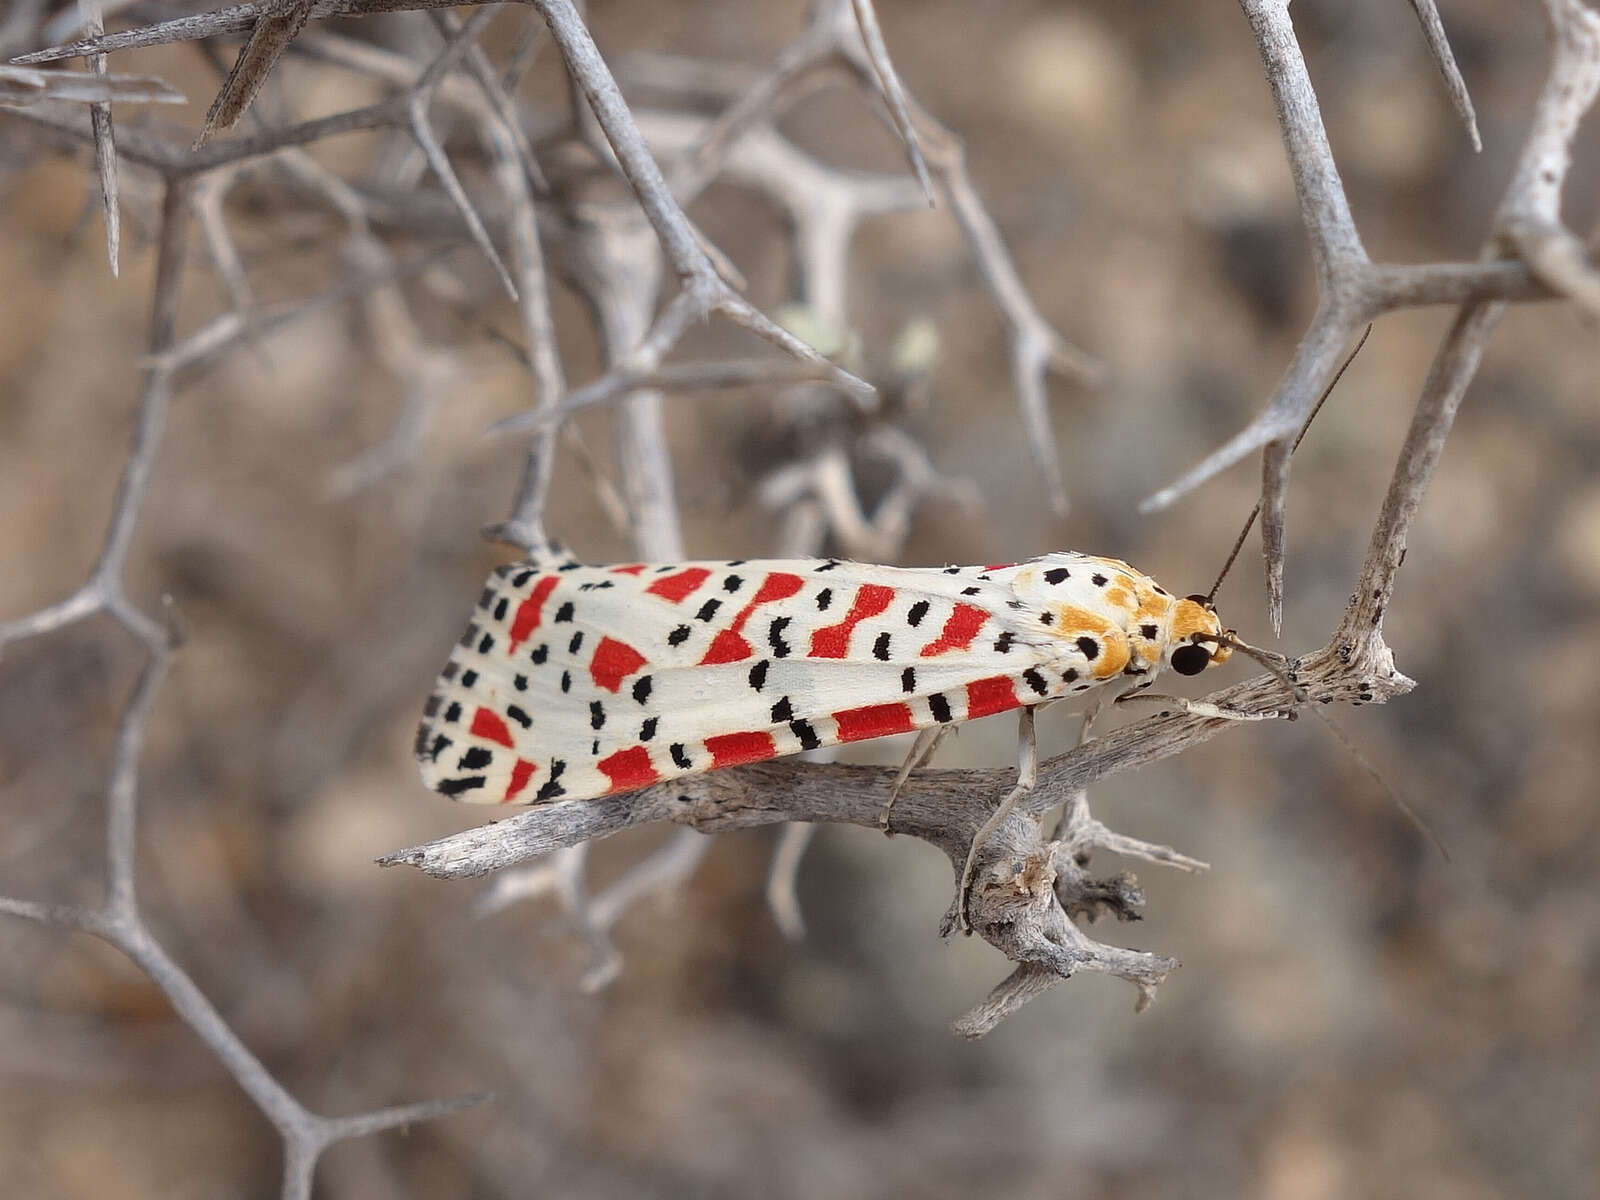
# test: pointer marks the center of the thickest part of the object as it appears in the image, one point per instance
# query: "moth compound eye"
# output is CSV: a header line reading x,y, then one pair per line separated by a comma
x,y
1191,659
1202,601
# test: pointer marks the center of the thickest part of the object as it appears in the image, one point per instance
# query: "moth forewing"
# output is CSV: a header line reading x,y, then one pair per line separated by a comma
x,y
573,682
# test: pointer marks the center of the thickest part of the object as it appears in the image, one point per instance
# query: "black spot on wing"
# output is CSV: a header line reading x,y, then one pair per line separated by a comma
x,y
780,648
908,680
564,613
880,648
1098,579
1035,681
520,717
678,636
500,605
1149,632
807,735
576,643
522,577
453,713
469,678
916,612
708,610
475,759
1057,575
597,714
758,674
641,688
679,758
454,787
648,729
1090,648
782,711
940,708
566,681
1002,644
732,583
486,643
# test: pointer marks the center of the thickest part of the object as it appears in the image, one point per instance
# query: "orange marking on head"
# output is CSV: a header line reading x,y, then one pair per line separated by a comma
x,y
1189,618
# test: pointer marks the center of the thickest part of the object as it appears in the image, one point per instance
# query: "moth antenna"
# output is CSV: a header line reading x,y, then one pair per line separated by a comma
x,y
1255,512
1269,660
1272,662
1395,797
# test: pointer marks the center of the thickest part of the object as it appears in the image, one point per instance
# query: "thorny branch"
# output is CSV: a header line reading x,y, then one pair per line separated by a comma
x,y
1029,887
1030,890
1354,290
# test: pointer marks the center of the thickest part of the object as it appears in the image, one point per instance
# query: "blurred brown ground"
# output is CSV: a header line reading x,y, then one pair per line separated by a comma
x,y
1354,1016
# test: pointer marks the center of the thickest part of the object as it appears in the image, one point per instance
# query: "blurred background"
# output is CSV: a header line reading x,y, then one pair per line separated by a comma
x,y
1354,1015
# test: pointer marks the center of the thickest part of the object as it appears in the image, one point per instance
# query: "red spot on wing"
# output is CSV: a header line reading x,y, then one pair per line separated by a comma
x,y
490,727
873,721
521,772
779,585
613,661
529,612
992,695
731,749
998,566
629,769
833,641
676,586
729,645
726,647
959,629
630,569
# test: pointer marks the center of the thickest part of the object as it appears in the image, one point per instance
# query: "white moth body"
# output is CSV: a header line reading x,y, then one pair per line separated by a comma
x,y
573,682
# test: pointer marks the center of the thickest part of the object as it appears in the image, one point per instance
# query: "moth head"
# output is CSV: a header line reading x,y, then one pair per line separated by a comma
x,y
1198,639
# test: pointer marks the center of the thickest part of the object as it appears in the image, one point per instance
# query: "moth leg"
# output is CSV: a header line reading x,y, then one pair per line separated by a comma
x,y
921,751
1091,713
1027,775
1199,708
